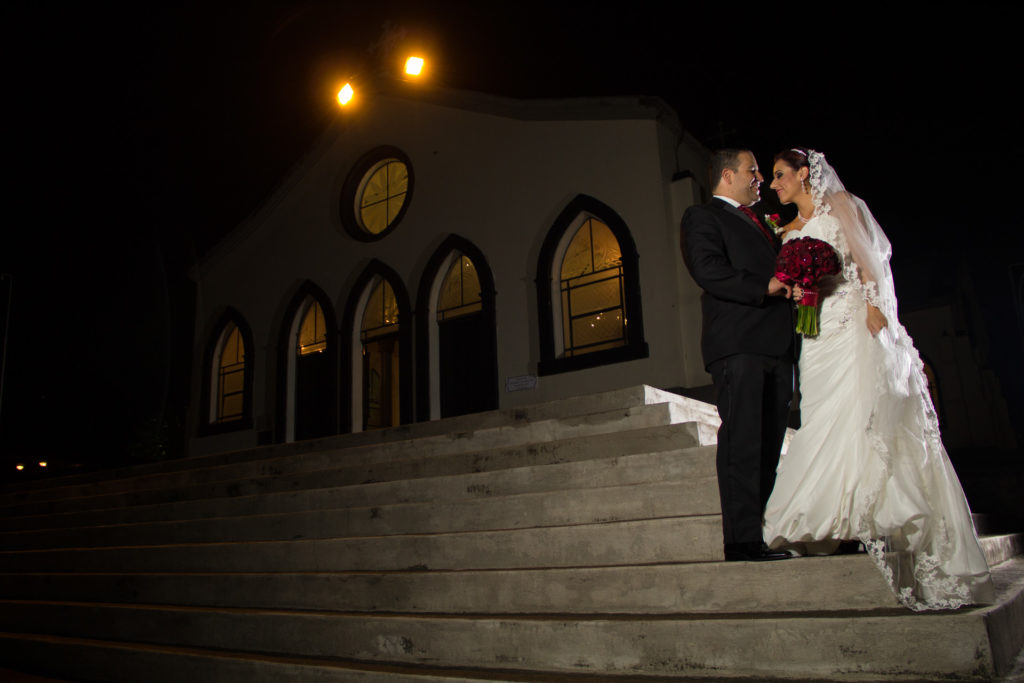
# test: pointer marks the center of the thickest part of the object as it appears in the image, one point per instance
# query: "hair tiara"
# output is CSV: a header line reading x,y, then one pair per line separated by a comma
x,y
798,151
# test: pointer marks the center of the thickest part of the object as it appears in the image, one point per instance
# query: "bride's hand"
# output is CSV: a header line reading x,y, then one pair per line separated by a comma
x,y
876,320
798,293
777,288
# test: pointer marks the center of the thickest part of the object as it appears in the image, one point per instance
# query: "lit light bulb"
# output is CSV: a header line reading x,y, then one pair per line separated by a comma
x,y
19,467
414,66
346,94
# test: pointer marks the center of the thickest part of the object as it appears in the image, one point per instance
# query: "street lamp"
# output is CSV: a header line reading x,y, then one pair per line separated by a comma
x,y
414,66
346,94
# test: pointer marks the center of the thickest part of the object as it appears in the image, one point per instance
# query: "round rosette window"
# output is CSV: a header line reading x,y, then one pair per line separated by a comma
x,y
377,193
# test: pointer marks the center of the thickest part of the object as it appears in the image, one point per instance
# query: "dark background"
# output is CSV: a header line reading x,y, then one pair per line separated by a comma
x,y
139,135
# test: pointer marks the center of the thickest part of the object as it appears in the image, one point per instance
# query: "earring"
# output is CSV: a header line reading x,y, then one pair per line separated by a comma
x,y
805,186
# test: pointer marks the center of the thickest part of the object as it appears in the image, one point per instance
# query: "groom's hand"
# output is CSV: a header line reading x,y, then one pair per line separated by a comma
x,y
778,288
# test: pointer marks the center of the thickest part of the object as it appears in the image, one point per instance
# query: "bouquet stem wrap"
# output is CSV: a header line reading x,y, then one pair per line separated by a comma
x,y
807,314
805,261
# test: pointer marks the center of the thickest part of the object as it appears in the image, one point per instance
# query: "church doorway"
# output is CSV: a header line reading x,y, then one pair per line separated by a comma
x,y
381,359
314,375
466,357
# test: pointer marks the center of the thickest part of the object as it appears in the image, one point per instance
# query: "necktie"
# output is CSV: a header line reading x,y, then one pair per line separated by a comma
x,y
752,216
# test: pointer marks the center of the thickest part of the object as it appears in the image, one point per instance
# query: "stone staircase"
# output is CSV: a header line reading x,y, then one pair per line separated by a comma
x,y
574,540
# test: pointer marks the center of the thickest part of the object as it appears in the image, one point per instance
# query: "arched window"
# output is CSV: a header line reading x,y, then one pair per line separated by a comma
x,y
460,290
588,291
312,331
227,376
230,402
381,314
593,310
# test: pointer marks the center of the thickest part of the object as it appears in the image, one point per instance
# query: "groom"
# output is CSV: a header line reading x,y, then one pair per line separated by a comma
x,y
747,343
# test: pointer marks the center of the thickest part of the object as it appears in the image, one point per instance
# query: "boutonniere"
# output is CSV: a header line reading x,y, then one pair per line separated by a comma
x,y
773,221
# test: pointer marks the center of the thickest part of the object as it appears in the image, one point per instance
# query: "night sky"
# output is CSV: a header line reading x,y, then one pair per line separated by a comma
x,y
142,134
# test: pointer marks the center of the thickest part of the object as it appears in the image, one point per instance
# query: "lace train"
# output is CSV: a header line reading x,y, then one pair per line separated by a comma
x,y
868,463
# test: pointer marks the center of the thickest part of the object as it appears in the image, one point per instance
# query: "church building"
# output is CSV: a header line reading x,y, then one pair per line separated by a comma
x,y
440,253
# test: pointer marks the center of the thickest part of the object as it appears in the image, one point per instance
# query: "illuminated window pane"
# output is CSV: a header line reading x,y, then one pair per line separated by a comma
x,y
313,331
231,377
593,248
233,382
593,312
381,314
382,195
460,291
231,407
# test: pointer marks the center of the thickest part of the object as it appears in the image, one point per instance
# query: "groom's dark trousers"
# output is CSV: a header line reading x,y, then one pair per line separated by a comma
x,y
747,342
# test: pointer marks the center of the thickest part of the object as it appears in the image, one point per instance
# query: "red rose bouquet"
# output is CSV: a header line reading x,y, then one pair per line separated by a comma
x,y
804,261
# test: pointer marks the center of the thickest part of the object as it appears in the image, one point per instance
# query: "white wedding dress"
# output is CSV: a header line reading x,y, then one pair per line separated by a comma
x,y
867,462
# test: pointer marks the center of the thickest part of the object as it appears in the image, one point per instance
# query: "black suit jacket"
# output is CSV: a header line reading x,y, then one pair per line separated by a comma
x,y
731,260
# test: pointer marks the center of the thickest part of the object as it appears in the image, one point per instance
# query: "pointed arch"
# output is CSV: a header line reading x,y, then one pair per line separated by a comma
x,y
437,394
307,383
228,364
553,289
352,347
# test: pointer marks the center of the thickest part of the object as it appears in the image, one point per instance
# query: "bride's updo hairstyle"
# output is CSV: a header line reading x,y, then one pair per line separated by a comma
x,y
796,158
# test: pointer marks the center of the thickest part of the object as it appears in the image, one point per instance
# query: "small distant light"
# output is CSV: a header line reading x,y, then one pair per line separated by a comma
x,y
42,463
19,467
346,94
414,66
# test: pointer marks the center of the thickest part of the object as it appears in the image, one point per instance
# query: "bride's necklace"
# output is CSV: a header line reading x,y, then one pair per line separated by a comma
x,y
801,218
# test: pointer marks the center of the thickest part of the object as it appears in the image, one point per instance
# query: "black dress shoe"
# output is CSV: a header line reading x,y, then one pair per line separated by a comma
x,y
753,552
849,548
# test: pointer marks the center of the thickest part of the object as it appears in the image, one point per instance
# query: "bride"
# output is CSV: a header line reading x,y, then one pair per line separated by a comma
x,y
867,463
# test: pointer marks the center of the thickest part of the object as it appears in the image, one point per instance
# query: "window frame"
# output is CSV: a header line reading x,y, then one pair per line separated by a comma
x,y
211,376
548,281
355,182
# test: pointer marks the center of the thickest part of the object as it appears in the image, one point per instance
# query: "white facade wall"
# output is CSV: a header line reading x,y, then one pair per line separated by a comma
x,y
497,173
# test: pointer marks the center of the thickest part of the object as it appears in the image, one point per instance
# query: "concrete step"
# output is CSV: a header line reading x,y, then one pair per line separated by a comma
x,y
573,540
90,659
850,583
319,454
676,539
695,496
349,468
290,463
1001,547
652,453
575,406
883,644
